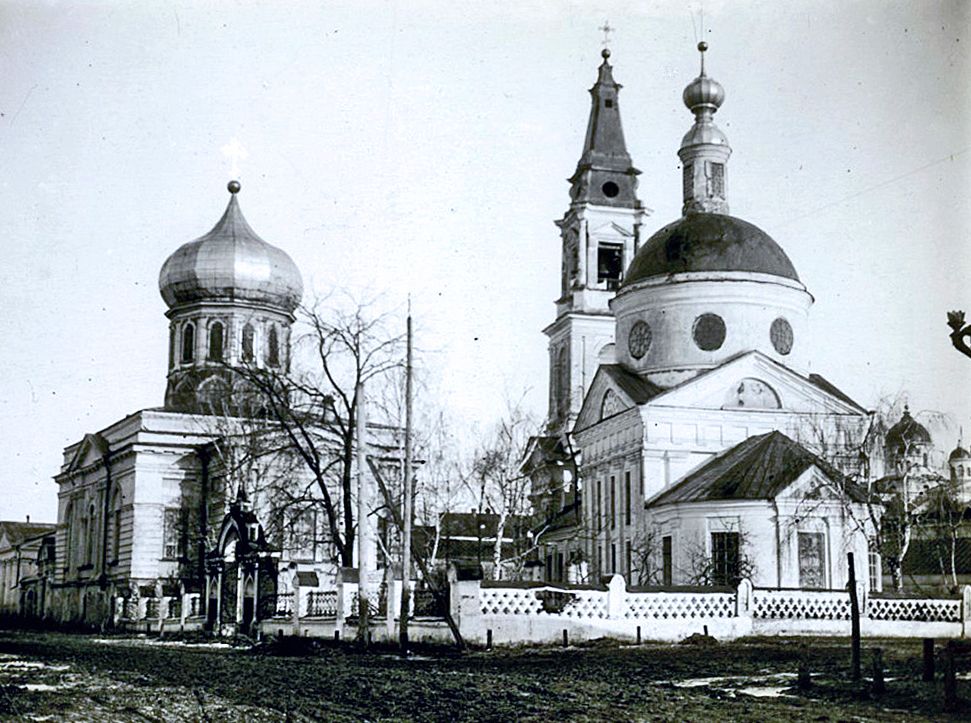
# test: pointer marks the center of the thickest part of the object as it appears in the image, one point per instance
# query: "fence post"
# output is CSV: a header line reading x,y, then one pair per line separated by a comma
x,y
295,603
965,610
616,594
341,611
463,601
743,606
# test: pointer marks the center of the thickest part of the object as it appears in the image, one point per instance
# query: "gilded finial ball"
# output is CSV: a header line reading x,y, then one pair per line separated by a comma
x,y
233,187
702,46
605,53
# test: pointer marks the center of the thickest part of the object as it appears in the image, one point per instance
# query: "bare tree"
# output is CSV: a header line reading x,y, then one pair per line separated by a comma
x,y
704,567
496,477
940,526
313,406
878,490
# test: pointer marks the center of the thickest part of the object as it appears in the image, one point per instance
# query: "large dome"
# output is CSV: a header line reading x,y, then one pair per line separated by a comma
x,y
231,263
709,242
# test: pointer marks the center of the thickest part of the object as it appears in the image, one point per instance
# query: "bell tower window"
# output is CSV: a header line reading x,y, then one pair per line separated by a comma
x,y
273,348
717,179
248,338
610,265
188,342
216,342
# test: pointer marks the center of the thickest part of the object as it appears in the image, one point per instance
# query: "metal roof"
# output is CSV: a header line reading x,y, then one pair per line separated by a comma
x,y
757,469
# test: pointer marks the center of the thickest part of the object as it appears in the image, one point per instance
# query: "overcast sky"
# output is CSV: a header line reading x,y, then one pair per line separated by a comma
x,y
410,147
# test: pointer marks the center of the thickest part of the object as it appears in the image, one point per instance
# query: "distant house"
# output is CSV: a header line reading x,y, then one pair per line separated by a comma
x,y
20,544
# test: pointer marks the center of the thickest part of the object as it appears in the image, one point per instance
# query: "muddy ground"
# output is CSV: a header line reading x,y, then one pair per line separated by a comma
x,y
56,676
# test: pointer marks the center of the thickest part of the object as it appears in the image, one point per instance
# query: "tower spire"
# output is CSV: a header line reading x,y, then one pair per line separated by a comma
x,y
704,149
605,175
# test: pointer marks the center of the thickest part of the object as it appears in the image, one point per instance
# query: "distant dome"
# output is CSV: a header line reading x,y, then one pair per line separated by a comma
x,y
958,453
231,263
906,433
709,242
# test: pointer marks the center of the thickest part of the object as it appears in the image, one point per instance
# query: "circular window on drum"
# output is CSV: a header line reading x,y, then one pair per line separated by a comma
x,y
781,335
709,332
639,339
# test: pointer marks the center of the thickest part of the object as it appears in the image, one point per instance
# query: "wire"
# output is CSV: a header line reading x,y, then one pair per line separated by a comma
x,y
882,184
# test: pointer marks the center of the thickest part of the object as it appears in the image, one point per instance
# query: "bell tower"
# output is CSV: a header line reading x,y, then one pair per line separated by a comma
x,y
600,234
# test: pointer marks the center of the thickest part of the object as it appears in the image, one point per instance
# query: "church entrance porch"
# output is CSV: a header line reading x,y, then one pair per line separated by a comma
x,y
239,570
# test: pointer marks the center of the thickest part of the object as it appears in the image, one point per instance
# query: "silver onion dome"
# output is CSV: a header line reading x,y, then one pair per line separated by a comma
x,y
231,263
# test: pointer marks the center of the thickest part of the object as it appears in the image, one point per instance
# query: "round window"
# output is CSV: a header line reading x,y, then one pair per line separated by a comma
x,y
639,339
709,332
781,336
610,189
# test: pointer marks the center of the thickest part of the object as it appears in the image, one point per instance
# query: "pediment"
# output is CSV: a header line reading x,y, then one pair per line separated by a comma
x,y
812,487
608,229
605,398
92,449
753,381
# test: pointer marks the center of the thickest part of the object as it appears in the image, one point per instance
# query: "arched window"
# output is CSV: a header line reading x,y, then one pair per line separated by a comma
x,y
68,534
89,540
188,342
248,339
216,342
273,348
116,527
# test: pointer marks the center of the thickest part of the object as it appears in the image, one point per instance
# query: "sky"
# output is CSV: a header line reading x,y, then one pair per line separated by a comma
x,y
421,148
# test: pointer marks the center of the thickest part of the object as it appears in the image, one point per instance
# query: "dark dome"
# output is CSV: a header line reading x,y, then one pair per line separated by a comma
x,y
709,242
958,453
906,433
231,263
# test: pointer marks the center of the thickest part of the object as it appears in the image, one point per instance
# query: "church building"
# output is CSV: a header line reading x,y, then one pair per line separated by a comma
x,y
685,437
160,503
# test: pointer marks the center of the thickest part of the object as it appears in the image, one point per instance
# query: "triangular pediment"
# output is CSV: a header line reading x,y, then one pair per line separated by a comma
x,y
92,449
813,486
613,390
754,381
609,229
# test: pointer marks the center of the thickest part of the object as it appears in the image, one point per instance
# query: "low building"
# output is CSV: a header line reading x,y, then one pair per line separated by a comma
x,y
20,545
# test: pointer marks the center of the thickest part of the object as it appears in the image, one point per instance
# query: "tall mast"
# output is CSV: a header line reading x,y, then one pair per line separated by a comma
x,y
408,513
363,498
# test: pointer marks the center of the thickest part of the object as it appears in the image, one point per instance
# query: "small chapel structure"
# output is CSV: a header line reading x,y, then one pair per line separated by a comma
x,y
685,440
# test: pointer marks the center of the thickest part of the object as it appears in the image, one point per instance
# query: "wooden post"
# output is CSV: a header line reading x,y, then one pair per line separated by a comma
x,y
928,660
489,639
879,687
638,634
363,583
950,681
854,620
407,514
804,679
566,638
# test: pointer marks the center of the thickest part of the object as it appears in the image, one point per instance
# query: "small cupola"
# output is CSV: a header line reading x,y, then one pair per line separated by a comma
x,y
704,149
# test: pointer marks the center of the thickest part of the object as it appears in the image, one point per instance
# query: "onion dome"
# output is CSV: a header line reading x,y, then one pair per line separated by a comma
x,y
709,242
906,433
703,92
231,263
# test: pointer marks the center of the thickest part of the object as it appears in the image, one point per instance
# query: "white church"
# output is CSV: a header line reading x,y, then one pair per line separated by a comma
x,y
684,432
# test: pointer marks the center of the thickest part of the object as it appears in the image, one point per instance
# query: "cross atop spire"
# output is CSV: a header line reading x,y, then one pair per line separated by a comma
x,y
606,30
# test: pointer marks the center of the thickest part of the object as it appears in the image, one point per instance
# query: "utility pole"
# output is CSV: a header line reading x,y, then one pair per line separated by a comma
x,y
407,503
363,582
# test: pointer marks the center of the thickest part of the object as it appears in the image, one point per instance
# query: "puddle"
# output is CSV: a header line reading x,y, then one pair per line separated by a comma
x,y
772,691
